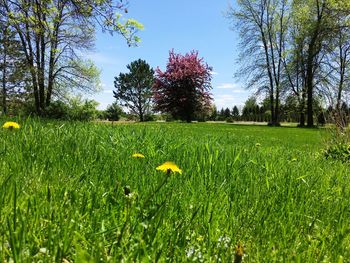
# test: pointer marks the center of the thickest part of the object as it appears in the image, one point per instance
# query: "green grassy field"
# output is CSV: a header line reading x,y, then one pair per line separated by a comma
x,y
62,194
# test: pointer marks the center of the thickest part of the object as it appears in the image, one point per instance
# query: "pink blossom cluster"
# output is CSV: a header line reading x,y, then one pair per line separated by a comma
x,y
186,80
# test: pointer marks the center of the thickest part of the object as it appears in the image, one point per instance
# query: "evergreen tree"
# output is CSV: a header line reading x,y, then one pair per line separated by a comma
x,y
134,89
235,112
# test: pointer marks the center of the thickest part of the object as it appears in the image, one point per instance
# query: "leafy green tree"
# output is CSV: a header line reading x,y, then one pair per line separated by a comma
x,y
263,29
249,112
134,89
324,25
55,34
82,109
336,65
57,110
294,64
12,65
291,106
114,112
314,23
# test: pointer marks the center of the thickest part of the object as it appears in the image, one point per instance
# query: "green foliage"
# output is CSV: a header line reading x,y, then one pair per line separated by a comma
x,y
86,72
339,151
134,89
83,110
128,29
54,35
75,109
338,146
57,110
230,119
213,115
12,68
150,117
235,112
113,112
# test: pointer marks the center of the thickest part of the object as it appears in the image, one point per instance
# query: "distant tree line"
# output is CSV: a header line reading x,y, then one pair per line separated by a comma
x,y
252,111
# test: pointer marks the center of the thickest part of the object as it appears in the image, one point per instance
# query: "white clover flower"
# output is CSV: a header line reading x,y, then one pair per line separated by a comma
x,y
224,242
190,252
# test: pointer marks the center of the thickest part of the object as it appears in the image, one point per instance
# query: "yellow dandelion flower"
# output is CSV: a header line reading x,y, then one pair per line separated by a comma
x,y
169,167
11,125
138,155
200,238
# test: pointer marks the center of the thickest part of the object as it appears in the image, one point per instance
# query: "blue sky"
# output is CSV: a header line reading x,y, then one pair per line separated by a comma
x,y
181,25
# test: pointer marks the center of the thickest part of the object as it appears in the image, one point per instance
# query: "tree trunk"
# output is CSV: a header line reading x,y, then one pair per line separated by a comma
x,y
141,116
313,50
309,84
269,75
302,119
30,59
302,109
51,68
52,57
310,112
277,107
42,72
4,91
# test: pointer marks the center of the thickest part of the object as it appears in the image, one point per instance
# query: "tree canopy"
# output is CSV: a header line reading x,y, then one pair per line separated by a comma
x,y
183,89
134,89
54,34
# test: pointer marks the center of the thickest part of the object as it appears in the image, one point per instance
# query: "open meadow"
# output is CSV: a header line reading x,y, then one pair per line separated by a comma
x,y
72,192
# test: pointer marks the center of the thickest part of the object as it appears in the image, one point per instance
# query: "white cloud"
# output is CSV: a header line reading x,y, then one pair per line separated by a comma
x,y
226,86
102,85
234,87
227,101
107,91
105,88
103,59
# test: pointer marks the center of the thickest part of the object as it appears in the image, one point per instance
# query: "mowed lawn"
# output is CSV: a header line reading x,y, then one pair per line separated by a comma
x,y
72,192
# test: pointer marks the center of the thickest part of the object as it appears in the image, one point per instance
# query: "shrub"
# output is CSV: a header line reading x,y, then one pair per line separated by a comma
x,y
75,109
149,117
57,110
229,120
113,112
82,110
339,151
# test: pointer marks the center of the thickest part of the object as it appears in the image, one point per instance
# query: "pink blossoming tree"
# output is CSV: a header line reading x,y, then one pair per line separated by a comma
x,y
183,90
